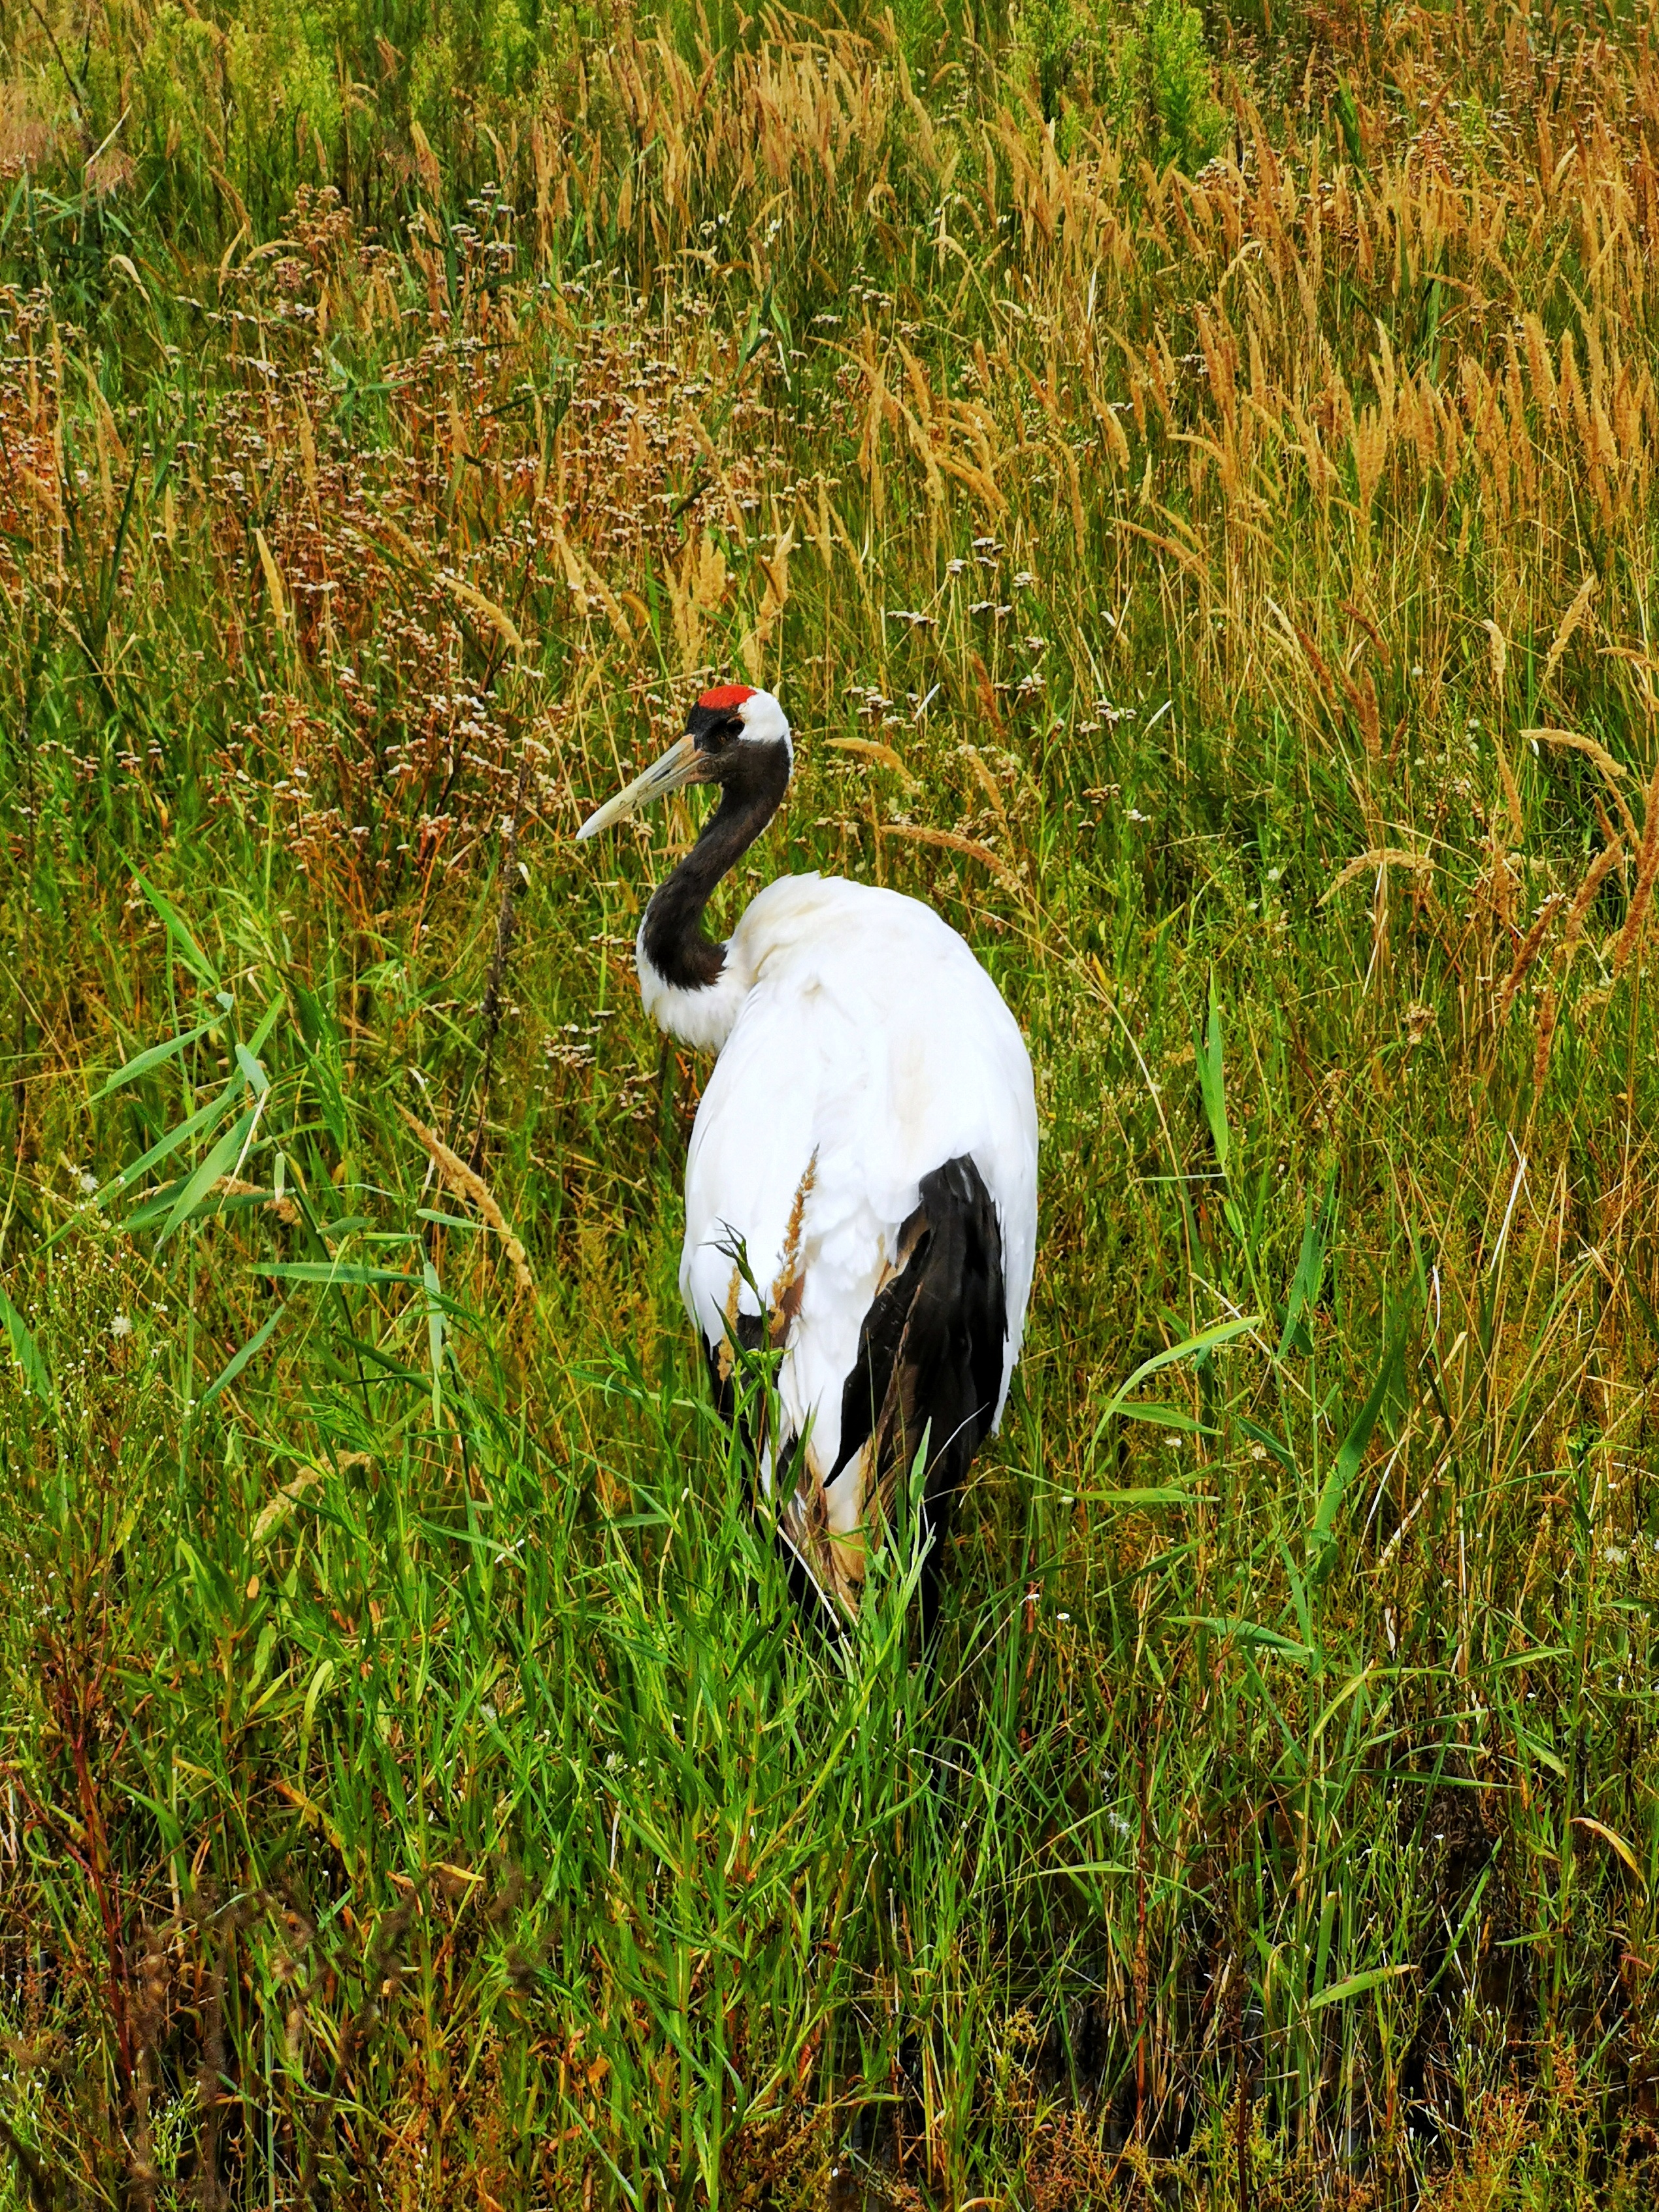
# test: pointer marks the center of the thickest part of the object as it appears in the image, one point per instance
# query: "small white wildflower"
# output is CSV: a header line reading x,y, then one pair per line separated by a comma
x,y
88,1182
121,1325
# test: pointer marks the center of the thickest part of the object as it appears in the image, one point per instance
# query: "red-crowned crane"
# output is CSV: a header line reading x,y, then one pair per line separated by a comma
x,y
867,1138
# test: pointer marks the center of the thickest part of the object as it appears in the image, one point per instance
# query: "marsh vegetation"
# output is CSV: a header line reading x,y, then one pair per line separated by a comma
x,y
1192,479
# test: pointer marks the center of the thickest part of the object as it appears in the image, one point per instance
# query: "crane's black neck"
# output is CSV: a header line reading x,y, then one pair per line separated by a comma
x,y
672,939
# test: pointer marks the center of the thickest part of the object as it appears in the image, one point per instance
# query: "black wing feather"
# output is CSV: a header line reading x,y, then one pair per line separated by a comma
x,y
929,1361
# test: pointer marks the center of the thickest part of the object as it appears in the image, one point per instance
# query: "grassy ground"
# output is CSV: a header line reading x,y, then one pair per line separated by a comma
x,y
1224,591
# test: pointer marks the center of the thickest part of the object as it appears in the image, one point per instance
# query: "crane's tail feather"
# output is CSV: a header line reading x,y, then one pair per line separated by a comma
x,y
929,1365
930,1357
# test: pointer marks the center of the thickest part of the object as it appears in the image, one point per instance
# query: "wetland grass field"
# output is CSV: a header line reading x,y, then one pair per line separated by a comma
x,y
1193,480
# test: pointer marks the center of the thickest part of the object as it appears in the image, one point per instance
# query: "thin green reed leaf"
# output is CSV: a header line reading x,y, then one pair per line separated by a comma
x,y
1536,1748
1248,1633
156,1055
173,923
1167,1417
1206,1340
156,1206
1356,1985
316,1688
26,1351
1348,1690
258,1081
1348,1462
19,198
1454,1948
434,1338
1537,1655
255,1345
167,1822
1211,1083
1299,1586
333,1272
197,1124
1279,1449
1310,1273
220,1161
1153,1494
261,1037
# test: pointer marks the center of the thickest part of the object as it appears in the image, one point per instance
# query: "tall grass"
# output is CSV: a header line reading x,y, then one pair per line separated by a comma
x,y
1225,596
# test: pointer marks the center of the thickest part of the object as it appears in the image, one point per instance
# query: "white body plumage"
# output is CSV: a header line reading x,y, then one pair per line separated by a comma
x,y
866,1044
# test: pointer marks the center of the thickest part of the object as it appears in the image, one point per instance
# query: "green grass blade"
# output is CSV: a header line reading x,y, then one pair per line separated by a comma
x,y
156,1055
220,1161
193,955
233,1366
164,1148
1206,1340
26,1351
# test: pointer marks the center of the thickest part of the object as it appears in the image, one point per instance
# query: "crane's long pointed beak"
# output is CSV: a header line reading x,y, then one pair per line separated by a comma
x,y
680,765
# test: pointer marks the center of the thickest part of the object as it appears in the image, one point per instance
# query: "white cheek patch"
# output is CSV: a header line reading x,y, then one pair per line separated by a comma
x,y
765,723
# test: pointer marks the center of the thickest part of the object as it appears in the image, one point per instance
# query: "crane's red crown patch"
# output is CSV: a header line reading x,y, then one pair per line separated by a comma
x,y
727,694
